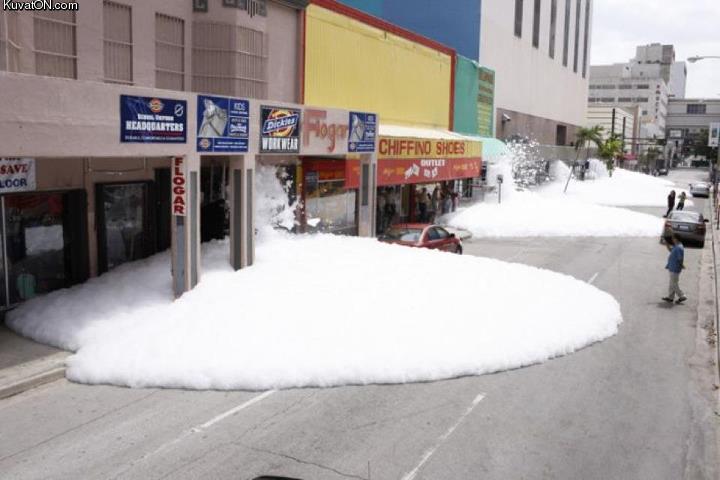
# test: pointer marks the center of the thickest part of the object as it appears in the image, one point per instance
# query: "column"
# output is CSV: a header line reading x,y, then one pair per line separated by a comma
x,y
368,195
242,218
185,222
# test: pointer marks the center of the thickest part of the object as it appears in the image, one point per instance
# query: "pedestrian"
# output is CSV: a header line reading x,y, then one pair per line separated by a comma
x,y
670,203
435,203
422,201
674,267
681,202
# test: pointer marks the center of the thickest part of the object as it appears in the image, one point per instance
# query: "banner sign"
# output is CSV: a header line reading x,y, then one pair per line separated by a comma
x,y
363,129
322,132
179,181
714,134
399,171
486,101
17,175
406,147
223,124
152,120
280,130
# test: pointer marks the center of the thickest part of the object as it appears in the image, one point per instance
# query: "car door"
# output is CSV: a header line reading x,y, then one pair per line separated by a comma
x,y
433,240
446,242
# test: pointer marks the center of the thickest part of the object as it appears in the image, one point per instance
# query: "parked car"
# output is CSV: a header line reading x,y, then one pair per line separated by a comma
x,y
687,226
662,171
422,235
700,189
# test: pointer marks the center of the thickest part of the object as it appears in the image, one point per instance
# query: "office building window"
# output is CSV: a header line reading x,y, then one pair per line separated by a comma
x,y
625,99
169,52
642,86
566,34
642,99
576,52
9,41
55,45
518,17
625,87
229,59
536,23
608,99
553,27
117,42
585,38
696,109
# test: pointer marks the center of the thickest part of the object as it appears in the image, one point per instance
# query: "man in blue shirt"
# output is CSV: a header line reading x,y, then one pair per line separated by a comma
x,y
675,266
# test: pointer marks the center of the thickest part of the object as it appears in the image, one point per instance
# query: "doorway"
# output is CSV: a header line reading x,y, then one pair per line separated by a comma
x,y
125,223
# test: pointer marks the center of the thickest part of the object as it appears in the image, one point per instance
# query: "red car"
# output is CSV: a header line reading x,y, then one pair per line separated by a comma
x,y
422,235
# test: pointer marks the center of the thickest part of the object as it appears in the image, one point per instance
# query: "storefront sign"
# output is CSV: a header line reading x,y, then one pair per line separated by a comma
x,y
152,120
280,130
223,124
363,129
486,101
316,127
17,175
179,187
714,135
398,171
406,147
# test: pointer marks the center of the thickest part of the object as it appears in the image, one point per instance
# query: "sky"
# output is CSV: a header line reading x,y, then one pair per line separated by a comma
x,y
693,26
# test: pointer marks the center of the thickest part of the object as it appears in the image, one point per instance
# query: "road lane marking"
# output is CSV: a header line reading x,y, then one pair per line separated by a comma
x,y
233,411
195,430
429,453
592,279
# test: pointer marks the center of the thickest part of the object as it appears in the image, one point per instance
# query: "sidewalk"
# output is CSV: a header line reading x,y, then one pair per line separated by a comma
x,y
25,364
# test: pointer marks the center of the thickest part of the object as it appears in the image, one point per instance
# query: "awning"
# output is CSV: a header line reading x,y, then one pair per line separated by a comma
x,y
493,149
422,155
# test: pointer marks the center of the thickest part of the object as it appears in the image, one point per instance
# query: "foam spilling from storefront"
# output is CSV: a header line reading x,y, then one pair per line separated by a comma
x,y
316,310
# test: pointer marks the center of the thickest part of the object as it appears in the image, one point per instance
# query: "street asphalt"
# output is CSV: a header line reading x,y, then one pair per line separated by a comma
x,y
640,405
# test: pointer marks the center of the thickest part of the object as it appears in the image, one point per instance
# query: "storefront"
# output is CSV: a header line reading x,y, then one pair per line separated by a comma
x,y
423,173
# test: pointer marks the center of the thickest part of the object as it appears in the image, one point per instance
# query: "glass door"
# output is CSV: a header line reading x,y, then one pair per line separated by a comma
x,y
122,223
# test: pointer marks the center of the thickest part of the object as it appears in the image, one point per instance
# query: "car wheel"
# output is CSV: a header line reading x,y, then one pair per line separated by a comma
x,y
458,250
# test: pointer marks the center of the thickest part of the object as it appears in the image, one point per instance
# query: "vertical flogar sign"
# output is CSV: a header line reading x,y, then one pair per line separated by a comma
x,y
179,181
152,120
223,124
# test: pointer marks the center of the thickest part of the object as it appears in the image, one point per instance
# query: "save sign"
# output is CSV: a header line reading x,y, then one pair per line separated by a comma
x,y
179,180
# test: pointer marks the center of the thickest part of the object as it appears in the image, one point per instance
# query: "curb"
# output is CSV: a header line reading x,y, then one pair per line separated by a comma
x,y
23,377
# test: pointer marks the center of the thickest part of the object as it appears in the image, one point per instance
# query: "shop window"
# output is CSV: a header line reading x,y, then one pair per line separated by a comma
x,y
329,205
117,43
169,52
55,44
45,247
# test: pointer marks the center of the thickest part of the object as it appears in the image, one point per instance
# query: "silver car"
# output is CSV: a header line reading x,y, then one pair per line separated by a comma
x,y
700,189
687,226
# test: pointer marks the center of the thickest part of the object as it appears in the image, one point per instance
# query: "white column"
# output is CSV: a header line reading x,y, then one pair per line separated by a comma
x,y
185,222
368,194
242,205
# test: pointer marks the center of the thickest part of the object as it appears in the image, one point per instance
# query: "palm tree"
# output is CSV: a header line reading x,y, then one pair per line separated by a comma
x,y
583,138
609,150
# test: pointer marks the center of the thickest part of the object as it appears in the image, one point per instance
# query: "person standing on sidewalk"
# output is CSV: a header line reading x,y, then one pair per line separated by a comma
x,y
675,265
681,202
671,203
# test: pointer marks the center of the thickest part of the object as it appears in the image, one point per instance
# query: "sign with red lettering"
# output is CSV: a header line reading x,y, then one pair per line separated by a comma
x,y
324,133
17,175
398,171
178,202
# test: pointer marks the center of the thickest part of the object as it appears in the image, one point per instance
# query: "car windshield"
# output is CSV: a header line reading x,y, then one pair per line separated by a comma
x,y
685,216
403,234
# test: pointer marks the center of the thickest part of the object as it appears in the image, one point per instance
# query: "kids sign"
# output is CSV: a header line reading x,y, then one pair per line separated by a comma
x,y
179,187
223,124
17,175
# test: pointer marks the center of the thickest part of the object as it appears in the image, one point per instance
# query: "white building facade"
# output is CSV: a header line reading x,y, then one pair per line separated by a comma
x,y
539,50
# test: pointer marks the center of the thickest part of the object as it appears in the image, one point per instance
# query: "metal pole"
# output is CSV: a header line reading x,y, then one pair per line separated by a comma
x,y
612,127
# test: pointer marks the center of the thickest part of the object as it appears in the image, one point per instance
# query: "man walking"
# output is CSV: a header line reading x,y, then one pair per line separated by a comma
x,y
670,202
675,266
